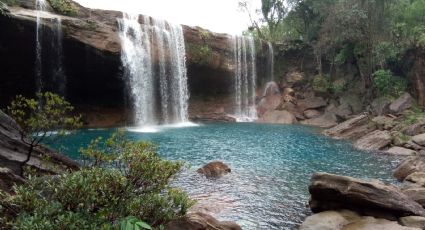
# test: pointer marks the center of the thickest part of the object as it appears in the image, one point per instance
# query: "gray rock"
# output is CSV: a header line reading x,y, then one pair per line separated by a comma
x,y
329,220
8,179
380,106
330,192
311,103
402,103
278,117
415,129
353,101
327,120
419,139
200,221
311,113
370,223
413,221
375,140
350,129
399,151
409,166
215,169
417,178
417,194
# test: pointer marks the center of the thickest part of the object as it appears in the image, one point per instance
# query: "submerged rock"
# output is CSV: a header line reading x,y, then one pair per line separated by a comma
x,y
409,166
375,140
200,221
215,169
330,192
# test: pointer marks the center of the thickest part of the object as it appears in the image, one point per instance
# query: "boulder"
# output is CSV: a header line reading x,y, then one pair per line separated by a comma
x,y
399,151
329,220
402,103
384,122
380,106
268,103
278,117
413,221
409,166
344,111
311,103
412,145
215,169
354,102
417,177
375,140
327,120
370,223
330,192
311,113
200,221
350,129
417,194
415,129
419,139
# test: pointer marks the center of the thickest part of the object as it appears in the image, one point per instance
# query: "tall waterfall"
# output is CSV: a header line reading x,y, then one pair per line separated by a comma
x,y
154,59
53,79
245,78
40,7
270,61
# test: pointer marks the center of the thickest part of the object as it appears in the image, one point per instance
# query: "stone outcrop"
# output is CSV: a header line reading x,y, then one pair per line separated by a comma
x,y
200,221
375,140
419,139
380,106
311,103
13,151
400,151
416,194
418,178
350,129
409,166
417,74
332,192
402,103
278,117
8,179
215,169
327,120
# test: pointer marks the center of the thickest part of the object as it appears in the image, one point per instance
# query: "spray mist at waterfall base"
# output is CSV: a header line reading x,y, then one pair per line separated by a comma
x,y
159,128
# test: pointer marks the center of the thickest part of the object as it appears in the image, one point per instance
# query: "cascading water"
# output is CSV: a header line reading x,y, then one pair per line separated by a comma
x,y
245,78
40,7
153,55
270,61
58,75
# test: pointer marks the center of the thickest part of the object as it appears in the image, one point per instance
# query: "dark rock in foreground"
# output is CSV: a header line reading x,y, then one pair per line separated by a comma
x,y
331,192
201,221
215,169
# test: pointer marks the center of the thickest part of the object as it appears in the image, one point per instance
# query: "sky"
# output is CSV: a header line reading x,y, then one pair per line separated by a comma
x,y
221,16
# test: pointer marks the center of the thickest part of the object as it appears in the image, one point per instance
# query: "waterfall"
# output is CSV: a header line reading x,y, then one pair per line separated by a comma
x,y
270,61
40,7
53,80
154,60
245,78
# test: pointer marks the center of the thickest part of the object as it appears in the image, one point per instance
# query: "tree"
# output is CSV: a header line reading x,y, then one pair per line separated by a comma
x,y
48,116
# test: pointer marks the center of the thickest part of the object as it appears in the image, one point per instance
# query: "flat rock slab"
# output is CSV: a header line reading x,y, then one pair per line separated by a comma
x,y
370,223
399,151
330,192
350,129
375,140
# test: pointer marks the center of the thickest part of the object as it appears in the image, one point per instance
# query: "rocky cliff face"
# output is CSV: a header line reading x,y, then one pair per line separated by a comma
x,y
418,75
91,59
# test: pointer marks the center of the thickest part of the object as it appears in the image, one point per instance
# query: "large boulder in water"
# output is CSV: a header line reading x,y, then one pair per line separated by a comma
x,y
330,192
215,169
200,221
278,117
375,140
408,166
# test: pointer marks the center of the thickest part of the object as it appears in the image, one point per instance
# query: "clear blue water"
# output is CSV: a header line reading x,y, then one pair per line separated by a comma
x,y
271,167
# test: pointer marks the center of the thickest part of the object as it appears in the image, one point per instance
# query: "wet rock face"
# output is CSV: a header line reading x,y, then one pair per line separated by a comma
x,y
215,169
330,192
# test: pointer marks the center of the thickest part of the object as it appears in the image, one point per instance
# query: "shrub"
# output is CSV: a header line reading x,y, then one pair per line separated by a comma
x,y
65,7
100,196
321,83
389,85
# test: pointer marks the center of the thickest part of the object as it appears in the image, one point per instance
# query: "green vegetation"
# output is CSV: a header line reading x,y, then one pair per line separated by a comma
x,y
100,196
201,54
65,7
39,117
389,85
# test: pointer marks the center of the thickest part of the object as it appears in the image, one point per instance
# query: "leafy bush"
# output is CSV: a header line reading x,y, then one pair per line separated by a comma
x,y
65,7
321,83
100,196
389,85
